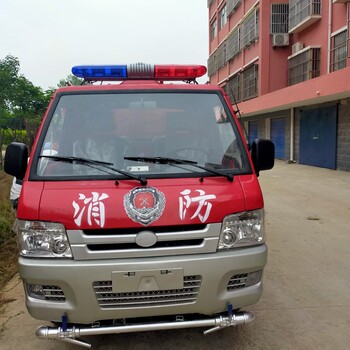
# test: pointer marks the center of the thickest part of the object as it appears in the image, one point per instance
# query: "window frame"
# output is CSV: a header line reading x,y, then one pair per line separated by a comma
x,y
304,65
249,90
213,29
223,16
301,10
231,6
338,49
233,44
279,22
249,32
233,88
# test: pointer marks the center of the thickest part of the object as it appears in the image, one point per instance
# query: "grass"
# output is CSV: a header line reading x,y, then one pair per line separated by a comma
x,y
8,246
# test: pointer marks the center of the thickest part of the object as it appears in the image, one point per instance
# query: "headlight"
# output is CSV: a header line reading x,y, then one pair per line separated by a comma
x,y
40,239
243,229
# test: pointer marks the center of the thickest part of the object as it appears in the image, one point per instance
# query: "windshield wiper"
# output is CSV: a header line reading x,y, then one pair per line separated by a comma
x,y
176,161
97,164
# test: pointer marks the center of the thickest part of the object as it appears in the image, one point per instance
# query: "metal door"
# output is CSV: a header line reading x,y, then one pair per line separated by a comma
x,y
253,131
318,137
278,137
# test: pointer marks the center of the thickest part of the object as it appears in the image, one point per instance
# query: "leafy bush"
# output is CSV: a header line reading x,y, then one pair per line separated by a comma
x,y
8,249
15,135
6,220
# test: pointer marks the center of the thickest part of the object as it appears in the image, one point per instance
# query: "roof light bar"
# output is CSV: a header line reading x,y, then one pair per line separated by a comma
x,y
179,72
100,72
139,71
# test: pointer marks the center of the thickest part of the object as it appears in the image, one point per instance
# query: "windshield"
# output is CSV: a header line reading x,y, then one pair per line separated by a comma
x,y
110,127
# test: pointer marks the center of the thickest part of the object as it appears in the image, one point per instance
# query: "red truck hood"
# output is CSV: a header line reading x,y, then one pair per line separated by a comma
x,y
102,204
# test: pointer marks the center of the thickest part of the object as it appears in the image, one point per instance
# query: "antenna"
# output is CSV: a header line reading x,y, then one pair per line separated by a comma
x,y
238,113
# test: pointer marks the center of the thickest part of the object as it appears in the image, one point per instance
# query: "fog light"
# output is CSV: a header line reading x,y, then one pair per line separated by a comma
x,y
35,291
244,280
253,278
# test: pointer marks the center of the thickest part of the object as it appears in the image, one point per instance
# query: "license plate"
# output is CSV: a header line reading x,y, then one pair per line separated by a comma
x,y
147,280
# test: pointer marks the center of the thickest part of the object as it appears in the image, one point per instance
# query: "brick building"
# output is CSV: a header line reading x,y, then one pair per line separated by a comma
x,y
287,65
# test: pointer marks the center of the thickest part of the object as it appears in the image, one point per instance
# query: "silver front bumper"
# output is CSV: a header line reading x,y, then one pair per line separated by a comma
x,y
76,280
70,335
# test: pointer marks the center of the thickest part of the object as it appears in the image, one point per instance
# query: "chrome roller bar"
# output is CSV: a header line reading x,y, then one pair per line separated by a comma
x,y
70,335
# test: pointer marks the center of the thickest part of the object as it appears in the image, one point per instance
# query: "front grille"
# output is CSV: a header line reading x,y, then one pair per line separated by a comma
x,y
136,230
122,243
53,293
237,281
162,244
107,299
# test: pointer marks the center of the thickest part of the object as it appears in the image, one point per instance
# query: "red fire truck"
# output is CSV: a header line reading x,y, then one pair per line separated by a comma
x,y
140,206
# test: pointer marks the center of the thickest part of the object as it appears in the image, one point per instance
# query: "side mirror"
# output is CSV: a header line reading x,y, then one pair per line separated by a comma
x,y
16,159
263,155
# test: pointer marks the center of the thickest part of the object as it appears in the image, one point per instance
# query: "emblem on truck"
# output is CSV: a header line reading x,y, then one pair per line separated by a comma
x,y
144,205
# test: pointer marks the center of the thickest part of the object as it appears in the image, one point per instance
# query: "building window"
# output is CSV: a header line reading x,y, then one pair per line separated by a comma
x,y
213,30
223,17
221,54
279,18
339,50
301,10
250,29
231,6
243,86
232,46
209,2
233,89
249,82
212,64
304,66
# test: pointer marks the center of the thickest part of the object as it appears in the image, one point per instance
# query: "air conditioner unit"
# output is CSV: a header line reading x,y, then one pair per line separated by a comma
x,y
281,39
297,47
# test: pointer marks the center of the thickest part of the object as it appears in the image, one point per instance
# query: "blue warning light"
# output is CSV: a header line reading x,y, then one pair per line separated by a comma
x,y
100,72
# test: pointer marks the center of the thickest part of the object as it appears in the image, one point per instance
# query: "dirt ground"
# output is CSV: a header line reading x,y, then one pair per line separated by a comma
x,y
306,299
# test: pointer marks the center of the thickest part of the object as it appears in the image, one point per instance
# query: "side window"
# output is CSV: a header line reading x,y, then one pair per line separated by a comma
x,y
52,141
232,155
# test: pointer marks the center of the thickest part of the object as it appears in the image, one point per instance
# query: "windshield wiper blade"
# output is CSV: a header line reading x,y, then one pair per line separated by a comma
x,y
97,164
176,161
76,160
161,160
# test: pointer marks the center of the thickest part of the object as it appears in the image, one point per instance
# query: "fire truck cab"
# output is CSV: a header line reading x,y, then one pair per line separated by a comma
x,y
140,206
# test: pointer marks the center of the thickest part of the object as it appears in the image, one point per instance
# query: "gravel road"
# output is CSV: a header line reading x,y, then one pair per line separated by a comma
x,y
306,299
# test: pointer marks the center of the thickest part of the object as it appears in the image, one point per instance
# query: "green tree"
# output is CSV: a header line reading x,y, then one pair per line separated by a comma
x,y
29,100
17,94
22,105
70,80
9,70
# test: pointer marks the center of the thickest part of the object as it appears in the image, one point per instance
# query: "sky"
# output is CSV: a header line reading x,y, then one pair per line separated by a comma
x,y
50,37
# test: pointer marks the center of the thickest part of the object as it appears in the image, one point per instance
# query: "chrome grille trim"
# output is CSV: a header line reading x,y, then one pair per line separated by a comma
x,y
136,230
53,293
107,299
80,242
237,282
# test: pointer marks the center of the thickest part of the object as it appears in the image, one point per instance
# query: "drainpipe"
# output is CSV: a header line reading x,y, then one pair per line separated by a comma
x,y
291,135
348,9
329,34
